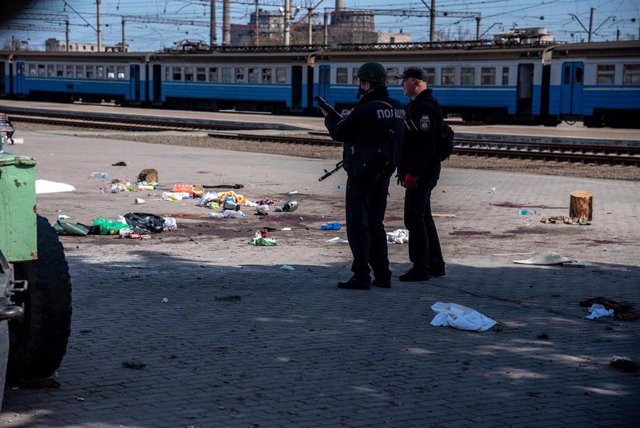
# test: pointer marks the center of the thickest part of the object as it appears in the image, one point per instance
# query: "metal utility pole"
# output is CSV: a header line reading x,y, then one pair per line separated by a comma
x,y
226,23
310,28
66,35
325,36
287,22
213,38
99,28
123,38
478,18
590,23
256,35
432,28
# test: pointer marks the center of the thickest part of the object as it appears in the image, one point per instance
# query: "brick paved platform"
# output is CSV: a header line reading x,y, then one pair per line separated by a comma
x,y
242,342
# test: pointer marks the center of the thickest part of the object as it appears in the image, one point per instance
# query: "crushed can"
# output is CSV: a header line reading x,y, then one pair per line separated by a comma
x,y
290,206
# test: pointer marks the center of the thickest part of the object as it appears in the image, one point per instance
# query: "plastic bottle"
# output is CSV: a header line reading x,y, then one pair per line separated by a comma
x,y
232,214
331,226
526,211
99,175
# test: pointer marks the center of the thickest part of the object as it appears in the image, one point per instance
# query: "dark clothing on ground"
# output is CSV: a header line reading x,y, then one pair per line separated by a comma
x,y
372,134
421,158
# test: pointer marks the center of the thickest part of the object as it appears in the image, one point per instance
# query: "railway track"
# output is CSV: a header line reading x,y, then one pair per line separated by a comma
x,y
551,150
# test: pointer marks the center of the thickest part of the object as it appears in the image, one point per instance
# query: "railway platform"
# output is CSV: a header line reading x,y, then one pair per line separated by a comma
x,y
569,133
197,328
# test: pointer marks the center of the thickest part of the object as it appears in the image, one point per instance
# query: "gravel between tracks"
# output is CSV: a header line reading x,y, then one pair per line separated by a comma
x,y
615,172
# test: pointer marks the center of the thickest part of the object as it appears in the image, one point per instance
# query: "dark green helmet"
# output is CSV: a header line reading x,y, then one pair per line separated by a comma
x,y
373,72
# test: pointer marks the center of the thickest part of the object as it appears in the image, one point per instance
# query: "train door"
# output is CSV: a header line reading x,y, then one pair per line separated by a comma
x,y
2,76
324,79
525,91
571,88
134,79
157,84
296,88
19,79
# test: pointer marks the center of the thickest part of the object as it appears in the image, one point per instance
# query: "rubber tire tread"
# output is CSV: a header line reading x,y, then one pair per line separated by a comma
x,y
39,339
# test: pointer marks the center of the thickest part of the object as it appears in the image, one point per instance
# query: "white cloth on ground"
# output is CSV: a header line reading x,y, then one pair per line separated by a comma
x,y
461,317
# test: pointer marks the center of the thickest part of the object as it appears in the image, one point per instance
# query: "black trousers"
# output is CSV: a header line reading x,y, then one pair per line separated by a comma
x,y
424,245
366,203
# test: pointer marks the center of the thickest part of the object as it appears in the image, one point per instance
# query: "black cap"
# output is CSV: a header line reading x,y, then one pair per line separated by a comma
x,y
415,72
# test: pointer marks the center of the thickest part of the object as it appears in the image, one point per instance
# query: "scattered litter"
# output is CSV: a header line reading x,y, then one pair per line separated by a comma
x,y
400,236
175,196
99,175
287,267
79,398
548,258
623,363
493,190
170,223
286,229
216,215
109,227
443,215
526,211
261,239
149,174
341,186
337,240
63,217
331,226
566,220
293,192
460,317
145,223
46,186
232,214
165,300
140,201
121,163
72,229
133,365
598,311
624,311
290,206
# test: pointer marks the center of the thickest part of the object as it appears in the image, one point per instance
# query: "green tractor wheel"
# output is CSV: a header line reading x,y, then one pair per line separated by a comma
x,y
39,338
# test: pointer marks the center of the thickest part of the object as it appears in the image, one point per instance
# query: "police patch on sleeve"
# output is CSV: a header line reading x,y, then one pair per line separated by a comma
x,y
425,122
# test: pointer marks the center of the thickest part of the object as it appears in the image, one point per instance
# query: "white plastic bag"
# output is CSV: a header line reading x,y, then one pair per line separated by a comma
x,y
460,317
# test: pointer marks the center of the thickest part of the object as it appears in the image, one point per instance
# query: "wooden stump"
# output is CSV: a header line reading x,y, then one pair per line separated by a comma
x,y
581,205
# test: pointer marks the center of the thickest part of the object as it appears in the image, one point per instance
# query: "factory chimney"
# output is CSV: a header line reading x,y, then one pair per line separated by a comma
x,y
226,22
339,5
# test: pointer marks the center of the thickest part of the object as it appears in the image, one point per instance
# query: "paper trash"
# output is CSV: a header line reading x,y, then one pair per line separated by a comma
x,y
46,186
548,258
460,317
400,236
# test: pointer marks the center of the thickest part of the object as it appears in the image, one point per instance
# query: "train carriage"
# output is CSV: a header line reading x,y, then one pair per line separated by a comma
x,y
240,80
477,83
598,83
72,76
5,76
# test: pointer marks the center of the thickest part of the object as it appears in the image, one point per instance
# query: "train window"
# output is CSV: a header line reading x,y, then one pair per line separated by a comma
x,y
120,72
99,71
188,74
605,74
33,70
448,76
201,74
579,74
41,70
51,70
487,76
226,74
89,71
281,75
354,75
392,76
176,73
240,74
80,71
111,72
213,74
505,75
253,75
431,75
59,70
69,70
266,75
468,76
342,75
631,74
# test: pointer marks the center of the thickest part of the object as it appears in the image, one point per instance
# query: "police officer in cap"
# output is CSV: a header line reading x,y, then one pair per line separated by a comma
x,y
418,172
371,134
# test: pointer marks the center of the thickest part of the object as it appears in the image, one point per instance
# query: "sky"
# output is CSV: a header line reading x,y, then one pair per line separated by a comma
x,y
565,19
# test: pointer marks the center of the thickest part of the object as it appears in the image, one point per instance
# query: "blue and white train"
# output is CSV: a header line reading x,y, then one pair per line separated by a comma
x,y
598,83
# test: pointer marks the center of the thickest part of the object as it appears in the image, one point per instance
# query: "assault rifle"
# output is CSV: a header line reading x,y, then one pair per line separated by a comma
x,y
330,173
326,109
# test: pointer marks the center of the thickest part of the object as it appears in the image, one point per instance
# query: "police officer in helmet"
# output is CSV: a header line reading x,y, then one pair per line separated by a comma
x,y
371,135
